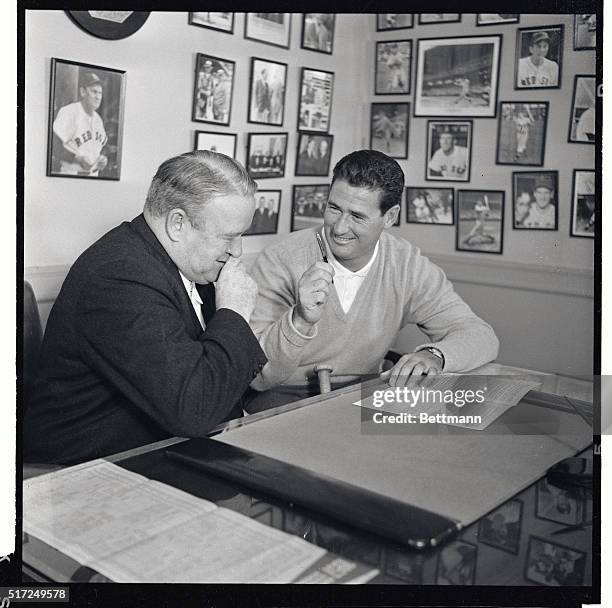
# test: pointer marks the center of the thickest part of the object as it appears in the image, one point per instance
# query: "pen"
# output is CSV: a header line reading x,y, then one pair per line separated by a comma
x,y
322,248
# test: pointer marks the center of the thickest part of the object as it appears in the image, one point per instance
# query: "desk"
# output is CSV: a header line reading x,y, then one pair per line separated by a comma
x,y
500,549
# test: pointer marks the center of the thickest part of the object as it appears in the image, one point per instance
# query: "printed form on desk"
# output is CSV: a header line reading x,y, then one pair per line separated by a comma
x,y
133,529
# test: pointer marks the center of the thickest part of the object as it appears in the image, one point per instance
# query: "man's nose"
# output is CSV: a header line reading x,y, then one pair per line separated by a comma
x,y
235,248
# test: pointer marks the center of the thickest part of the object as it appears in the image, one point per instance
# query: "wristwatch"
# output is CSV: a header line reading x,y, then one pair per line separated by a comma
x,y
436,352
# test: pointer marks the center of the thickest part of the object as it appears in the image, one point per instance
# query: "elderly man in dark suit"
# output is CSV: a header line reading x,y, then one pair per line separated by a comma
x,y
149,336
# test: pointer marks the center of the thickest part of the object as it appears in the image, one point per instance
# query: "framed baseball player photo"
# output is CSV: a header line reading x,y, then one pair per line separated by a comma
x,y
393,21
308,206
430,206
583,204
392,68
585,32
457,76
266,155
539,57
225,143
496,18
521,133
313,154
480,221
269,28
314,105
223,22
582,119
535,200
389,128
318,32
85,120
449,150
265,218
267,92
213,88
426,18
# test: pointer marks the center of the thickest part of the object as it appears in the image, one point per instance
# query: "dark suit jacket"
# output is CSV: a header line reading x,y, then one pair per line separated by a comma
x,y
125,362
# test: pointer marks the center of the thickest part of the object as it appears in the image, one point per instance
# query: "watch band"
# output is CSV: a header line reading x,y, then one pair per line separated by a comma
x,y
436,352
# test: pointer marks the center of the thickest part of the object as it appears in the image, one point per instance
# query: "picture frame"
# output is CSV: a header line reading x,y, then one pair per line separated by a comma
x,y
456,564
269,28
224,143
389,128
315,101
502,527
484,19
585,32
222,22
553,564
392,67
558,505
213,89
386,22
313,154
535,200
267,210
89,147
468,88
308,205
544,44
109,25
584,204
430,206
266,155
449,150
428,18
318,32
480,221
405,566
268,85
582,118
521,133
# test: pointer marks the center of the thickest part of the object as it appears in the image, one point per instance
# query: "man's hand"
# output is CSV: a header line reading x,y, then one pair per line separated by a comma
x,y
235,289
313,291
414,365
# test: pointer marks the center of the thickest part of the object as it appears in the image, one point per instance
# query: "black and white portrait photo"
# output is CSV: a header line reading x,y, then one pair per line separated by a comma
x,y
496,18
425,18
225,143
316,92
585,32
266,155
552,564
394,21
308,206
502,528
85,121
269,28
457,76
535,196
521,133
582,119
539,57
224,22
449,150
213,89
389,128
318,32
430,205
480,221
393,62
267,92
313,154
457,564
265,218
583,204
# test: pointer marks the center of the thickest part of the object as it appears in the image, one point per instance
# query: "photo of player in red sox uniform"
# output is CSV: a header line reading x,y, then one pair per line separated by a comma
x,y
536,70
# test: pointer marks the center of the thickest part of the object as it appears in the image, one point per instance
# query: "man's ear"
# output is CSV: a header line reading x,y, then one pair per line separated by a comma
x,y
175,224
391,216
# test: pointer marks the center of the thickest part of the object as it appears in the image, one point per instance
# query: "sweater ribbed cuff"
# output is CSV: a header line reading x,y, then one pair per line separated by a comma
x,y
291,333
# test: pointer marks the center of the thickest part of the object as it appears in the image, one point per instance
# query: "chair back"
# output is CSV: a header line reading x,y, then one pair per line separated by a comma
x,y
32,338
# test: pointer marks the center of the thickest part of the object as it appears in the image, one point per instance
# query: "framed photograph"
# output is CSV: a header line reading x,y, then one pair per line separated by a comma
x,y
266,155
425,18
496,18
449,150
457,76
224,22
314,106
109,25
225,143
213,88
313,154
267,92
535,200
457,564
553,564
392,69
582,119
318,32
480,221
308,206
585,32
393,21
539,57
560,506
430,206
389,128
502,528
405,566
265,218
521,133
85,120
269,28
583,204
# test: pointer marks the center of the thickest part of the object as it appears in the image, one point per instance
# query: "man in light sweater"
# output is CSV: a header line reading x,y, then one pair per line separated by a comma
x,y
347,313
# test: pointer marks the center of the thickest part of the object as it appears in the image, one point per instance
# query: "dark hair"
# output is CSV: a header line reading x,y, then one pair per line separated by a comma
x,y
373,170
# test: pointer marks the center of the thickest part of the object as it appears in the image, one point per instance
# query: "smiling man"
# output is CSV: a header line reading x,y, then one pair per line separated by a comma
x,y
346,313
149,336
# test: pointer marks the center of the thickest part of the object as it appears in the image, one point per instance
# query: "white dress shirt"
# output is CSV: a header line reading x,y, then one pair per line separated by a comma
x,y
194,296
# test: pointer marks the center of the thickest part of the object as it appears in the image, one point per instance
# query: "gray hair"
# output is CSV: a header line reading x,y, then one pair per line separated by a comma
x,y
190,180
